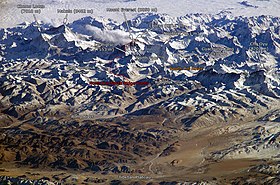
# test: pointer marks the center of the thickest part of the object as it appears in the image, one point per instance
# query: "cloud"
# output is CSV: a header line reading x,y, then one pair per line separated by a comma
x,y
117,37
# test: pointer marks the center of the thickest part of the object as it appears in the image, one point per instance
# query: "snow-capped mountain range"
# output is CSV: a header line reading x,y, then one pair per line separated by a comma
x,y
11,15
194,67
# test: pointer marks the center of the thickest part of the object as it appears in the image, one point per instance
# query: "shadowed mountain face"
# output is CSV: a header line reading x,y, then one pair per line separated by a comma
x,y
191,95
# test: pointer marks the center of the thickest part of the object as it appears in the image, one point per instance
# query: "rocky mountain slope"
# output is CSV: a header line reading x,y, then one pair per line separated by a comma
x,y
214,65
99,96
